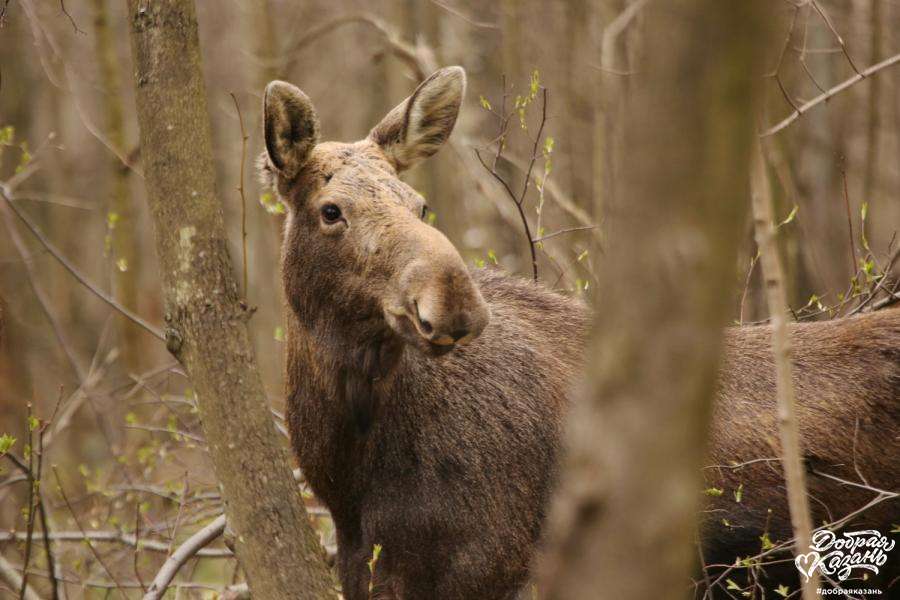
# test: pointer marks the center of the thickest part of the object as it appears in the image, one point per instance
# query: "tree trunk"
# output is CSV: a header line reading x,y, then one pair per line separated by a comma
x,y
624,521
206,324
120,245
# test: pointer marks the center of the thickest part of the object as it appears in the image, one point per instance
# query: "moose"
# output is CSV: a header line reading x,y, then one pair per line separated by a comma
x,y
427,400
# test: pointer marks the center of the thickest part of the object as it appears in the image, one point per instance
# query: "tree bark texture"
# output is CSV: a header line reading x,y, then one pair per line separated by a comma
x,y
624,521
206,323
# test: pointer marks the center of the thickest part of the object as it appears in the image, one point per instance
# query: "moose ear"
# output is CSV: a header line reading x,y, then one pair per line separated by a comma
x,y
417,127
291,127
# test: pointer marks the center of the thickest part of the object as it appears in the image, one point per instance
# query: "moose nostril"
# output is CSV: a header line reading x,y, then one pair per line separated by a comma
x,y
426,326
459,334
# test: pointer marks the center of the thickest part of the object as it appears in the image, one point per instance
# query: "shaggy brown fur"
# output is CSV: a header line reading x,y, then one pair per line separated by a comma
x,y
847,381
448,462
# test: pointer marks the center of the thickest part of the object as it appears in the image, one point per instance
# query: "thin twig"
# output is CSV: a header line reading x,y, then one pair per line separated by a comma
x,y
853,261
114,537
240,188
29,523
137,546
824,97
879,285
40,294
563,232
753,262
469,20
518,199
62,7
90,546
837,36
73,270
411,55
42,507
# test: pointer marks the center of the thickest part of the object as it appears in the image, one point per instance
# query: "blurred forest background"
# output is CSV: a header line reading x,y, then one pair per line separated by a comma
x,y
124,438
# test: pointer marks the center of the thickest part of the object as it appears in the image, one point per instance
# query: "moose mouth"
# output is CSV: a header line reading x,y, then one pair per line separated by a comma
x,y
410,332
439,349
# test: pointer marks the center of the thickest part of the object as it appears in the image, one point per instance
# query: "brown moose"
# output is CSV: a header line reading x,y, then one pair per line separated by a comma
x,y
426,400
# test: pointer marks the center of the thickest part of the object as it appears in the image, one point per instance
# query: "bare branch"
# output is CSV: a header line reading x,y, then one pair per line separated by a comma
x,y
112,536
562,232
612,32
824,97
420,61
244,138
10,575
93,550
62,7
38,290
469,20
185,552
77,274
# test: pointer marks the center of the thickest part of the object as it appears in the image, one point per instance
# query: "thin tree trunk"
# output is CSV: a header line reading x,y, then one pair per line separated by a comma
x,y
206,324
773,278
121,240
624,521
873,135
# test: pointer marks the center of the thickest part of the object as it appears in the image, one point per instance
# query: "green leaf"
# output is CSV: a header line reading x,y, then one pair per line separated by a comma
x,y
6,441
492,256
484,103
535,83
7,134
272,205
279,334
766,541
24,159
790,216
783,591
739,493
376,552
548,145
714,491
33,423
732,585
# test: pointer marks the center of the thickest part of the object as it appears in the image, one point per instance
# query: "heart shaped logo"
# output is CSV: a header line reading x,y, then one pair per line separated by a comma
x,y
807,563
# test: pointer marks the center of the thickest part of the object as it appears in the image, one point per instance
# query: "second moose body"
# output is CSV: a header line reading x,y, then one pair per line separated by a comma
x,y
426,402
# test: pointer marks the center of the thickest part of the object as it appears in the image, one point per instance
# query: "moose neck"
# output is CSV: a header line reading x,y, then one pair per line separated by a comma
x,y
340,364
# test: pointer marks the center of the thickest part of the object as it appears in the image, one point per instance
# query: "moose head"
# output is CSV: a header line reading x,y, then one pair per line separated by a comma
x,y
358,256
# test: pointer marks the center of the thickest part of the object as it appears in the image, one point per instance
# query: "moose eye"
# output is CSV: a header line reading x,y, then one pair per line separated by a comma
x,y
331,213
424,212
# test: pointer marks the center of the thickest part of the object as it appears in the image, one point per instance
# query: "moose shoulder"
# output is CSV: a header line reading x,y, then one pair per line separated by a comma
x,y
426,401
